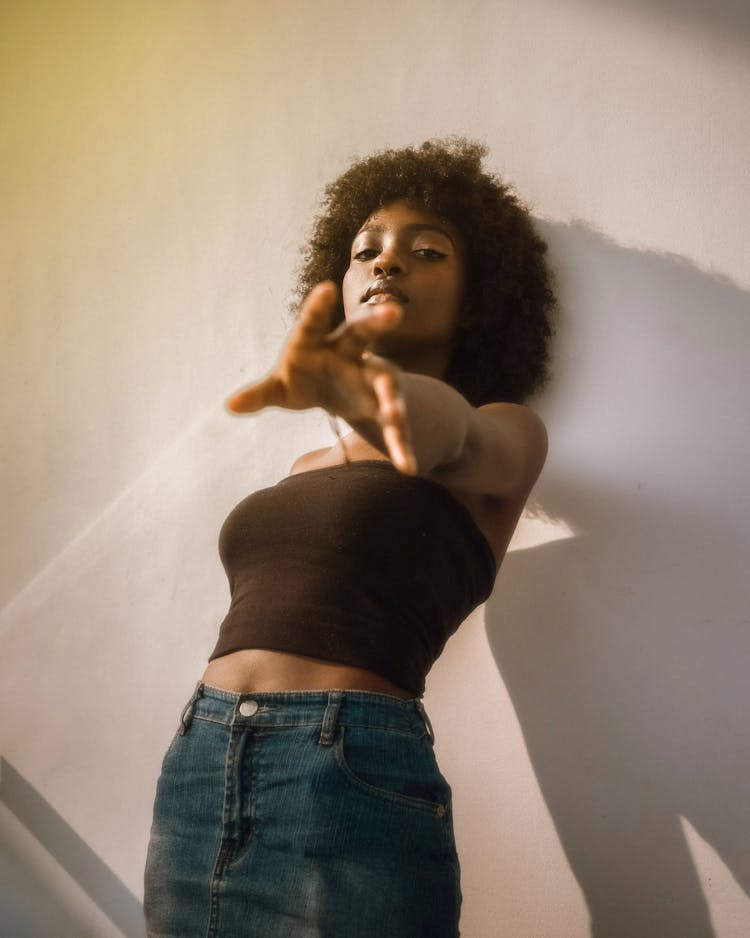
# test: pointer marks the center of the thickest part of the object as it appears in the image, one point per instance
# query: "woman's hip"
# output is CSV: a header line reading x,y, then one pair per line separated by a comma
x,y
322,808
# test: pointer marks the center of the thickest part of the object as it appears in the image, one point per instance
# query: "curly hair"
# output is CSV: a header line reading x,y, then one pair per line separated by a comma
x,y
501,350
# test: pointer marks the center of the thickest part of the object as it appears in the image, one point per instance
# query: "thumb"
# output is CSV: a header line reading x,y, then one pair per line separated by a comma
x,y
265,393
314,319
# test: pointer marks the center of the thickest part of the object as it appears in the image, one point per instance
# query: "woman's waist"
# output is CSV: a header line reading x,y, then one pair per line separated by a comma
x,y
259,670
266,710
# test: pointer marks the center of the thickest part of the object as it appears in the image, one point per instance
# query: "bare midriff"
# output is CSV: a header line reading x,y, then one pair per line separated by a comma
x,y
257,671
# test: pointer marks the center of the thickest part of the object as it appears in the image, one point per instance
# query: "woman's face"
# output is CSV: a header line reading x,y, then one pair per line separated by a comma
x,y
408,254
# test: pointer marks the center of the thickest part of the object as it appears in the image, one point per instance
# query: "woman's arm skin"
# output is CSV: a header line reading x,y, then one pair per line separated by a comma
x,y
422,424
498,449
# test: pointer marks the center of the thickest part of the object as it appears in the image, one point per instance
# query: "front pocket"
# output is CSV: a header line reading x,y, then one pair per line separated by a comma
x,y
393,766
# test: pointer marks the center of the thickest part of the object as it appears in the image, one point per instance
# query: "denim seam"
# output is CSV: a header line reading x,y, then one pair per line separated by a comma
x,y
208,690
261,726
245,830
222,857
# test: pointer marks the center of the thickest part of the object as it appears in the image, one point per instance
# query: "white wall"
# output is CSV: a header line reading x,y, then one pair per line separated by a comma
x,y
160,163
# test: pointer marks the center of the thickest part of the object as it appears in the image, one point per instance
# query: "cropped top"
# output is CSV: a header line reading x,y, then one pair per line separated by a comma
x,y
357,564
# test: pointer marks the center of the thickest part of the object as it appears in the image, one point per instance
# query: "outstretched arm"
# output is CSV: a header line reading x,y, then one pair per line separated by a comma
x,y
422,424
336,371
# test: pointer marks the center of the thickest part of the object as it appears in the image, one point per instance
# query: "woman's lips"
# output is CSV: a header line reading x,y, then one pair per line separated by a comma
x,y
381,291
377,298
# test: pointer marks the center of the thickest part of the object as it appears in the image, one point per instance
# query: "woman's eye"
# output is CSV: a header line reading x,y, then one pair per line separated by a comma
x,y
430,254
366,254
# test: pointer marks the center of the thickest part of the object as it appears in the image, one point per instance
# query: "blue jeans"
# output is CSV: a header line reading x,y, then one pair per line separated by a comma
x,y
304,814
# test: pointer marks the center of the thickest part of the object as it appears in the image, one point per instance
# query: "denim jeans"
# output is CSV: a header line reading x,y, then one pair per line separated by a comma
x,y
304,814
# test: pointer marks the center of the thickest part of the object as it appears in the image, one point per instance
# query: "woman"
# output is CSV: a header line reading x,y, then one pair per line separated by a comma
x,y
300,796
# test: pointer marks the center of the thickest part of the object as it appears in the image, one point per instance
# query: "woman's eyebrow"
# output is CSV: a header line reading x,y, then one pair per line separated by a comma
x,y
413,227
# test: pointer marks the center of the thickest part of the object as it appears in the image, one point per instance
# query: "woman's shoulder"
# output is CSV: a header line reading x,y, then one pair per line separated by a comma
x,y
521,413
504,449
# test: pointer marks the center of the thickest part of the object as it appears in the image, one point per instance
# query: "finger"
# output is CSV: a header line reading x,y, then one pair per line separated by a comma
x,y
355,335
314,319
268,392
394,422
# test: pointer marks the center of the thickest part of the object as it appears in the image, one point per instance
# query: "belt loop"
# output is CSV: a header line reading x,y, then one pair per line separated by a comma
x,y
330,717
427,723
186,717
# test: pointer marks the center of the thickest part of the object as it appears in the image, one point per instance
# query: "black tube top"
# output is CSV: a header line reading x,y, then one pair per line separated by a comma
x,y
357,564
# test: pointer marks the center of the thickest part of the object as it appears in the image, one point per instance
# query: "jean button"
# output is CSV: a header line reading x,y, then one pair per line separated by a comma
x,y
248,708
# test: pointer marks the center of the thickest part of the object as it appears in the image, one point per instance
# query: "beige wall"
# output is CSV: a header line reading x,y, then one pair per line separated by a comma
x,y
159,163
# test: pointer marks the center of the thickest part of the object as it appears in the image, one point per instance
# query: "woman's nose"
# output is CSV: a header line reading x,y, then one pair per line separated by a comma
x,y
388,263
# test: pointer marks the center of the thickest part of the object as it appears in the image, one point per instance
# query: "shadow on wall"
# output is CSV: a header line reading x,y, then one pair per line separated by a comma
x,y
626,650
728,16
26,906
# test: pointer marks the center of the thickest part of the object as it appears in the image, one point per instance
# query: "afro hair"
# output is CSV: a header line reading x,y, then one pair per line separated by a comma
x,y
501,349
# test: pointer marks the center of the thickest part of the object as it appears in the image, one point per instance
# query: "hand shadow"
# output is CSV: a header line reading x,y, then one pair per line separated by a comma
x,y
626,648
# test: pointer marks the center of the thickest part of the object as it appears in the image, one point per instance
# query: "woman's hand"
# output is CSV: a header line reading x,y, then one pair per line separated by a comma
x,y
336,371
